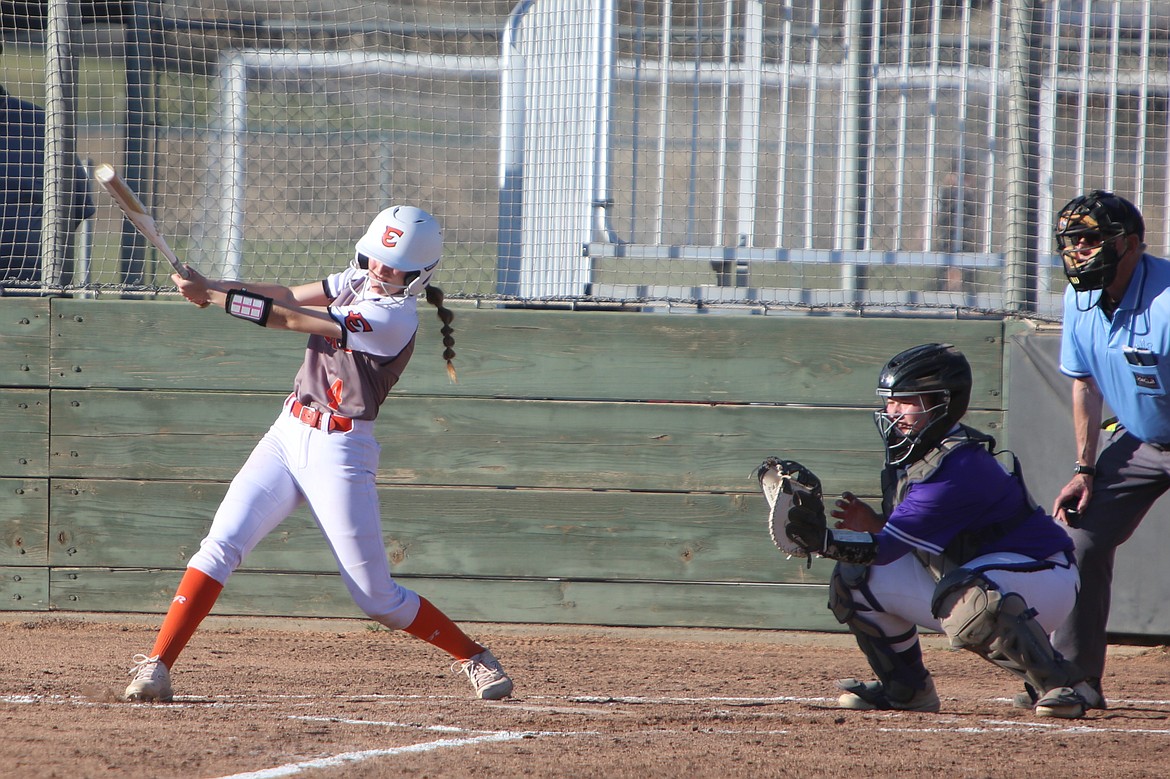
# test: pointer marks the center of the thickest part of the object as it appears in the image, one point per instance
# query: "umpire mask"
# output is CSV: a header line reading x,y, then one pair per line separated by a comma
x,y
1087,233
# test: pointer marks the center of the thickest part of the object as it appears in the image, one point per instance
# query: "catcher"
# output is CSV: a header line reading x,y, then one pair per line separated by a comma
x,y
959,547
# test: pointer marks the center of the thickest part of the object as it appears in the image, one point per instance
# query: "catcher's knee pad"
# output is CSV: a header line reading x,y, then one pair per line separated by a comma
x,y
1000,627
843,583
967,604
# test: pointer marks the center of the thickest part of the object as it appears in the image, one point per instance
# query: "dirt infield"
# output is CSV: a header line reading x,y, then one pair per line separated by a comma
x,y
268,698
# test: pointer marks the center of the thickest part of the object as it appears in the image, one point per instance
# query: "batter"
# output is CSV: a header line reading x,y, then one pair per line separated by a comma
x,y
321,449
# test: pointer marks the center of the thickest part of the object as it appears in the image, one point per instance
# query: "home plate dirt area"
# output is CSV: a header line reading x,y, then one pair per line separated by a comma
x,y
332,698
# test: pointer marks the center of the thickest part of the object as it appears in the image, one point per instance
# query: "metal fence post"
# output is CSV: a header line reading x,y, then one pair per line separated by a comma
x,y
1020,244
60,140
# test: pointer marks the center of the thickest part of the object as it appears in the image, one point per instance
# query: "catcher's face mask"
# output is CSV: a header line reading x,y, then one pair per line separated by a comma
x,y
908,419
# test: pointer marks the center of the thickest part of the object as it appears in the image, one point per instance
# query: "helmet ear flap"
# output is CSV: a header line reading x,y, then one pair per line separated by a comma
x,y
417,280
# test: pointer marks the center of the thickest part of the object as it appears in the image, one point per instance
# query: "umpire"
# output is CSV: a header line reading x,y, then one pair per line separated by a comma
x,y
1116,347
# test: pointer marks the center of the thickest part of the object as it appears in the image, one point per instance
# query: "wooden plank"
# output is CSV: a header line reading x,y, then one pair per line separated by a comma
x,y
92,522
453,532
783,606
477,442
24,588
24,522
156,434
724,359
156,344
530,354
24,342
24,418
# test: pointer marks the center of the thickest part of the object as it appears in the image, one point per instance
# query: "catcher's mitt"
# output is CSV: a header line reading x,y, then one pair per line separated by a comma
x,y
780,479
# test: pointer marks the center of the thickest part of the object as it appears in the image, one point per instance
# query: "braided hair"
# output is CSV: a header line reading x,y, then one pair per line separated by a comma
x,y
435,297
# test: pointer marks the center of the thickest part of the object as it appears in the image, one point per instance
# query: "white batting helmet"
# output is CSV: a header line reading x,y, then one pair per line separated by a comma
x,y
405,238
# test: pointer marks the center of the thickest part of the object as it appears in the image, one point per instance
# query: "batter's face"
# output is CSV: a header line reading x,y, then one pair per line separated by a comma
x,y
384,280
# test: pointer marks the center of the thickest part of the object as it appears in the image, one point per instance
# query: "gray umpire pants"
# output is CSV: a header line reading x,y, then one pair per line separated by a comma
x,y
1131,476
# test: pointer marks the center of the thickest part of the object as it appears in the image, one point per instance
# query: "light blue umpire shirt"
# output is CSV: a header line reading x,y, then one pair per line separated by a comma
x,y
1128,356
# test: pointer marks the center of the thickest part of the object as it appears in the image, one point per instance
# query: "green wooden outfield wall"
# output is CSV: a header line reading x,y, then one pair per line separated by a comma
x,y
589,467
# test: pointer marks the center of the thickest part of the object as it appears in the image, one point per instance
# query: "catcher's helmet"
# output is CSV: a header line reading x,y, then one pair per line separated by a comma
x,y
930,369
405,238
1096,218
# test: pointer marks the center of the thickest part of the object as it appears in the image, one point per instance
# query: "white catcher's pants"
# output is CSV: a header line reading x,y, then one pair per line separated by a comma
x,y
334,473
905,587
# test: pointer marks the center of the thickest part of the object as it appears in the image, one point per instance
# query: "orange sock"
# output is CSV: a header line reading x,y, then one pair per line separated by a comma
x,y
192,602
435,627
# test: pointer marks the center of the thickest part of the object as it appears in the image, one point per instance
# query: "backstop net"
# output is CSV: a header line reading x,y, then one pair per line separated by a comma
x,y
882,154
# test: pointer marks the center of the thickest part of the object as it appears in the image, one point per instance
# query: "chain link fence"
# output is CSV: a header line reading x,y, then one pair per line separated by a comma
x,y
887,155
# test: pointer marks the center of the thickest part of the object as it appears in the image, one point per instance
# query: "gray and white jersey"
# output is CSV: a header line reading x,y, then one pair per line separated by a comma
x,y
351,376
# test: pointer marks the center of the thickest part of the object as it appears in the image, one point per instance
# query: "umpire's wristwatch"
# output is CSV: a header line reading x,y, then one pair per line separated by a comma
x,y
1087,470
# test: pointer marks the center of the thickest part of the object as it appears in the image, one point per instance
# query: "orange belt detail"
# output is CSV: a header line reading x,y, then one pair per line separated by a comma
x,y
313,418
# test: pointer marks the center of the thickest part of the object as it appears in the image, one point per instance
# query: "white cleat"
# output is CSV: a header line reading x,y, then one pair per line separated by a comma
x,y
152,681
486,675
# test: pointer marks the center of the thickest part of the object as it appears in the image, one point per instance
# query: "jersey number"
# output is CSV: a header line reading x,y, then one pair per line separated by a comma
x,y
335,394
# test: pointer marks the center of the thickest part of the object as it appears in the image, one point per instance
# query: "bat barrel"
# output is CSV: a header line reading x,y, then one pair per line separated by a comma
x,y
132,207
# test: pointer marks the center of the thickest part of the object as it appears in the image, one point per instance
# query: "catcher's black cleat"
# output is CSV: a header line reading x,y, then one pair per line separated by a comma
x,y
1089,690
871,696
1062,703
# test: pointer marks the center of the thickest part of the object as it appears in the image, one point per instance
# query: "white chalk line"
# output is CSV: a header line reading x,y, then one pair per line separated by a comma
x,y
642,700
349,758
386,724
1044,728
453,729
428,728
579,710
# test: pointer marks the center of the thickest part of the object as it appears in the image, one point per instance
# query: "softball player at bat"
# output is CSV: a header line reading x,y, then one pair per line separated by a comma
x,y
321,449
960,547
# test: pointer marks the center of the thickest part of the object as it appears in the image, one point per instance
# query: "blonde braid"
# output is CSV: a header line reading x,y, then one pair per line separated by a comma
x,y
435,297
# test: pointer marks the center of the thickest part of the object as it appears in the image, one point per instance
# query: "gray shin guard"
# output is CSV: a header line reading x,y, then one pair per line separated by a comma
x,y
1000,628
900,679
